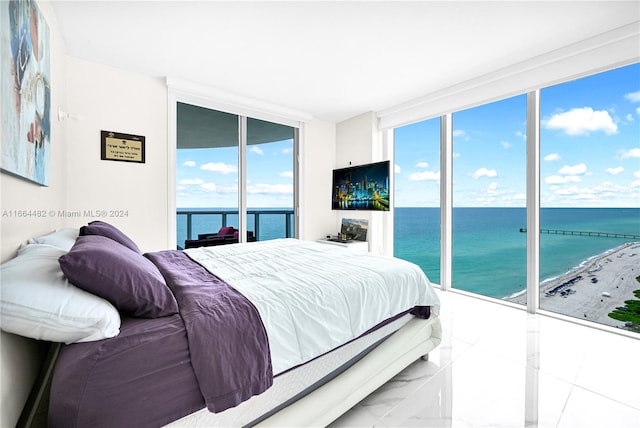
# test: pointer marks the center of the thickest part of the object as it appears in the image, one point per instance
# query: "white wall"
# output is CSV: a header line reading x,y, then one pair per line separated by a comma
x,y
113,100
358,141
318,154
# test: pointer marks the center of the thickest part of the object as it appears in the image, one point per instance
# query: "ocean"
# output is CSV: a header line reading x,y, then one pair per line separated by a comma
x,y
489,251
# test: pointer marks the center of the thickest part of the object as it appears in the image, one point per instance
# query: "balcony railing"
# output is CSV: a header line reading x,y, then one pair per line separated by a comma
x,y
265,224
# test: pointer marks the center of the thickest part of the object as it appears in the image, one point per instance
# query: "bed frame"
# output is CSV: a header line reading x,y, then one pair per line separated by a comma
x,y
324,405
27,365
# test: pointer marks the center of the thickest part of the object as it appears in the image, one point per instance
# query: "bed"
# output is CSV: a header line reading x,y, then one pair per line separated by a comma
x,y
272,333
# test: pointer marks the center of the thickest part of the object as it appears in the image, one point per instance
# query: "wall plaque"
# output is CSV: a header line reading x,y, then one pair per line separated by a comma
x,y
116,146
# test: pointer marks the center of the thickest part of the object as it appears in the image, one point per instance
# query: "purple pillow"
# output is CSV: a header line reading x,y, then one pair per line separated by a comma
x,y
226,230
128,280
110,231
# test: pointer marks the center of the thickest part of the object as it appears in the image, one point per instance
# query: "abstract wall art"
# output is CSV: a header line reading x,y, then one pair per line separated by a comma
x,y
25,71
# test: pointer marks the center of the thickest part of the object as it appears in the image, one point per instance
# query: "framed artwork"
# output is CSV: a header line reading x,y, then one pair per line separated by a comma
x,y
25,91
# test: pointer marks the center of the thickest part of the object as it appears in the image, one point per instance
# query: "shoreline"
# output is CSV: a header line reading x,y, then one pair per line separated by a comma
x,y
595,288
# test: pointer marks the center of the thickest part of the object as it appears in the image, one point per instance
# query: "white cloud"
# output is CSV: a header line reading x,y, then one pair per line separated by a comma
x,y
559,179
492,189
397,169
484,172
505,144
606,193
456,155
425,176
579,169
629,117
271,189
633,153
634,97
422,165
287,174
576,193
256,150
637,175
220,167
520,197
210,187
552,157
189,163
638,111
582,121
459,133
233,189
190,181
615,171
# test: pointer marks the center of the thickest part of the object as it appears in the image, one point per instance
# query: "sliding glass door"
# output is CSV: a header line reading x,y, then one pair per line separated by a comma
x,y
207,183
270,175
213,150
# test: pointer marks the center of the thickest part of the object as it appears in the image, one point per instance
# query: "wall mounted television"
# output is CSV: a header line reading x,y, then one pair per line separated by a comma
x,y
361,187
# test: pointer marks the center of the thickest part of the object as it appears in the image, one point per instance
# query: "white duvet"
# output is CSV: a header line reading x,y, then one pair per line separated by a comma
x,y
314,297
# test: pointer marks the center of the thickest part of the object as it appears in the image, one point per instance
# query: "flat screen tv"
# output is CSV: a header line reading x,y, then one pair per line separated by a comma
x,y
361,187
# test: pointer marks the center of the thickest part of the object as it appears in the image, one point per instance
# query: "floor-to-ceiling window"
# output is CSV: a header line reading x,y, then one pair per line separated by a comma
x,y
590,198
589,255
417,195
213,147
489,199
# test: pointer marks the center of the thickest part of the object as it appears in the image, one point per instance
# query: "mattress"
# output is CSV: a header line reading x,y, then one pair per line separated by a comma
x,y
313,297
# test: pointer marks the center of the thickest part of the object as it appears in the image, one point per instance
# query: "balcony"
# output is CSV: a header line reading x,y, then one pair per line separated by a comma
x,y
265,223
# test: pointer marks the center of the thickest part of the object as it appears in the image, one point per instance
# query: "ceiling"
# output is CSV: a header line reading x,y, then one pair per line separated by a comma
x,y
332,60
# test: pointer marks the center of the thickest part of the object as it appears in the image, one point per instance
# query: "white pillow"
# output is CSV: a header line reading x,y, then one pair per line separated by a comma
x,y
37,301
61,238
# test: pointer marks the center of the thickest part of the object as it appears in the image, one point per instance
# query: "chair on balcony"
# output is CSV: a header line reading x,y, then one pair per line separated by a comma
x,y
226,235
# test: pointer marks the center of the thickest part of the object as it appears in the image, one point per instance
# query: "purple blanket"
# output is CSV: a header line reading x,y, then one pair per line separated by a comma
x,y
227,341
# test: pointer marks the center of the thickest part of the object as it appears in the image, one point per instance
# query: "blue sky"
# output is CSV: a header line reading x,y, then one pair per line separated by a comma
x,y
208,178
590,149
590,155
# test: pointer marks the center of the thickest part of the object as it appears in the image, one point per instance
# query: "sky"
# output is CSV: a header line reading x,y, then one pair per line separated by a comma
x,y
208,178
590,155
589,145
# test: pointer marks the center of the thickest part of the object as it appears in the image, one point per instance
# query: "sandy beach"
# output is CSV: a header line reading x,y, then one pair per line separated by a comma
x,y
595,289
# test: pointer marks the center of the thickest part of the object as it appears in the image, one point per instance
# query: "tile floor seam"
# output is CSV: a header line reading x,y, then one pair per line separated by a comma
x,y
608,397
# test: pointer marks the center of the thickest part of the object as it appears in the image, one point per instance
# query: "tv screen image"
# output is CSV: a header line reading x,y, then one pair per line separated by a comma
x,y
362,187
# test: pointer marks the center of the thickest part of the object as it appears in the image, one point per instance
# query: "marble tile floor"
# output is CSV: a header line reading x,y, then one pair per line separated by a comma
x,y
498,366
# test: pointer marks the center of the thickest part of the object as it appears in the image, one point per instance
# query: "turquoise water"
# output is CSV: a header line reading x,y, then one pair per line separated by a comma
x,y
489,251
